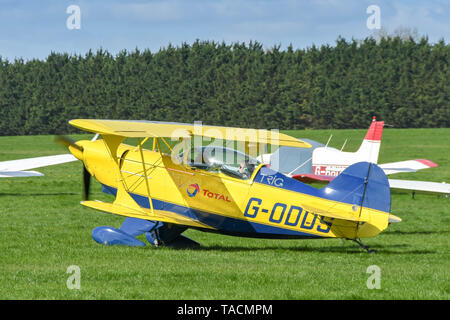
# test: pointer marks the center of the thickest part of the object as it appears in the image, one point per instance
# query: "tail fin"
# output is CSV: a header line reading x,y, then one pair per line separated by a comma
x,y
370,147
362,184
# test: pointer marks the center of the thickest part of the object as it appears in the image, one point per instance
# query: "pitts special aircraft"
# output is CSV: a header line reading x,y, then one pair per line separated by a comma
x,y
219,189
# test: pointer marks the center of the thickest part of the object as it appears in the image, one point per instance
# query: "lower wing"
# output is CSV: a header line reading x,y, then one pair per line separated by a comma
x,y
145,214
420,186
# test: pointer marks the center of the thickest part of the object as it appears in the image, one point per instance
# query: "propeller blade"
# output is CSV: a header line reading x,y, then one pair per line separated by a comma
x,y
86,183
66,141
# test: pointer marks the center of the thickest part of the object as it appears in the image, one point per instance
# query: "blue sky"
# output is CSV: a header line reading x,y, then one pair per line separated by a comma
x,y
33,29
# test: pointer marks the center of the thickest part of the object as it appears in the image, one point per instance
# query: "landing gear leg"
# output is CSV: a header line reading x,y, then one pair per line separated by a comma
x,y
169,235
368,249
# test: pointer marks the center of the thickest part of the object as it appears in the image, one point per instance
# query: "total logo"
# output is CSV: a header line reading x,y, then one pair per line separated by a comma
x,y
193,189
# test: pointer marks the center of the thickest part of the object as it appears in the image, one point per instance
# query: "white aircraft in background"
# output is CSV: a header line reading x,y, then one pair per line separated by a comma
x,y
19,168
322,163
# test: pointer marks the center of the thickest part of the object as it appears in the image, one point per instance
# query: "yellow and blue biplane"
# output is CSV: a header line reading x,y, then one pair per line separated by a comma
x,y
219,189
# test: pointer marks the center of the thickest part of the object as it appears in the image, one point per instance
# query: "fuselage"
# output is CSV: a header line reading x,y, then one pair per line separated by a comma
x,y
267,204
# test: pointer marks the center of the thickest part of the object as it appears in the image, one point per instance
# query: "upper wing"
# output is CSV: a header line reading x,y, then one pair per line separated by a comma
x,y
420,186
152,129
31,163
407,166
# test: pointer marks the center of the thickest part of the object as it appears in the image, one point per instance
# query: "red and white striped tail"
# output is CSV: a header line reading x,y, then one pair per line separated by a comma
x,y
370,147
375,130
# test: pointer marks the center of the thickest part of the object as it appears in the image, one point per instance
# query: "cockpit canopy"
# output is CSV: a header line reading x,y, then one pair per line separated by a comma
x,y
228,161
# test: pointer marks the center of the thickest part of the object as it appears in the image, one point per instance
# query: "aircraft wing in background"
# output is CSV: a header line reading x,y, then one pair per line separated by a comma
x,y
395,184
420,186
388,168
407,166
19,174
15,168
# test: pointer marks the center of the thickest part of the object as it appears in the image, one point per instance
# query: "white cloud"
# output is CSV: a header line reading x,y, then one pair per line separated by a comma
x,y
427,17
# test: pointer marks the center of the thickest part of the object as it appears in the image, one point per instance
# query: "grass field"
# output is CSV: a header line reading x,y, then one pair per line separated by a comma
x,y
44,230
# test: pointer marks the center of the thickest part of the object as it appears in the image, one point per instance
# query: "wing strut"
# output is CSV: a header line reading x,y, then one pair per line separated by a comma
x,y
145,176
123,198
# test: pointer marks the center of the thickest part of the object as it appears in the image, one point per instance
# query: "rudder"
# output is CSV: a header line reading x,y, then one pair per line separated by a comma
x,y
362,184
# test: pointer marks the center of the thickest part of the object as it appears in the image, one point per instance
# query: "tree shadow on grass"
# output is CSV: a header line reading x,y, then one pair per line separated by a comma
x,y
416,232
22,194
394,249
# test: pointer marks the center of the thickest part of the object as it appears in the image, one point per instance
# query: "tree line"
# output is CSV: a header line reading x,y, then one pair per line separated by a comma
x,y
404,82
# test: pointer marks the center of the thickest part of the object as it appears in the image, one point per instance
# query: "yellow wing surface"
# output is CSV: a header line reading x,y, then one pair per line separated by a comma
x,y
154,129
141,213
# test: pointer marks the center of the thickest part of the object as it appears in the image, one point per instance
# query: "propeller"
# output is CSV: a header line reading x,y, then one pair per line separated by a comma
x,y
67,142
86,183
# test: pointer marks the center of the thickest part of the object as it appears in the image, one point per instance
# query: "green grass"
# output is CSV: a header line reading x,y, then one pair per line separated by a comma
x,y
44,230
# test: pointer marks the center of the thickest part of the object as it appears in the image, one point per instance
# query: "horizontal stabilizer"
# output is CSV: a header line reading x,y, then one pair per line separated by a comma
x,y
394,219
333,214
